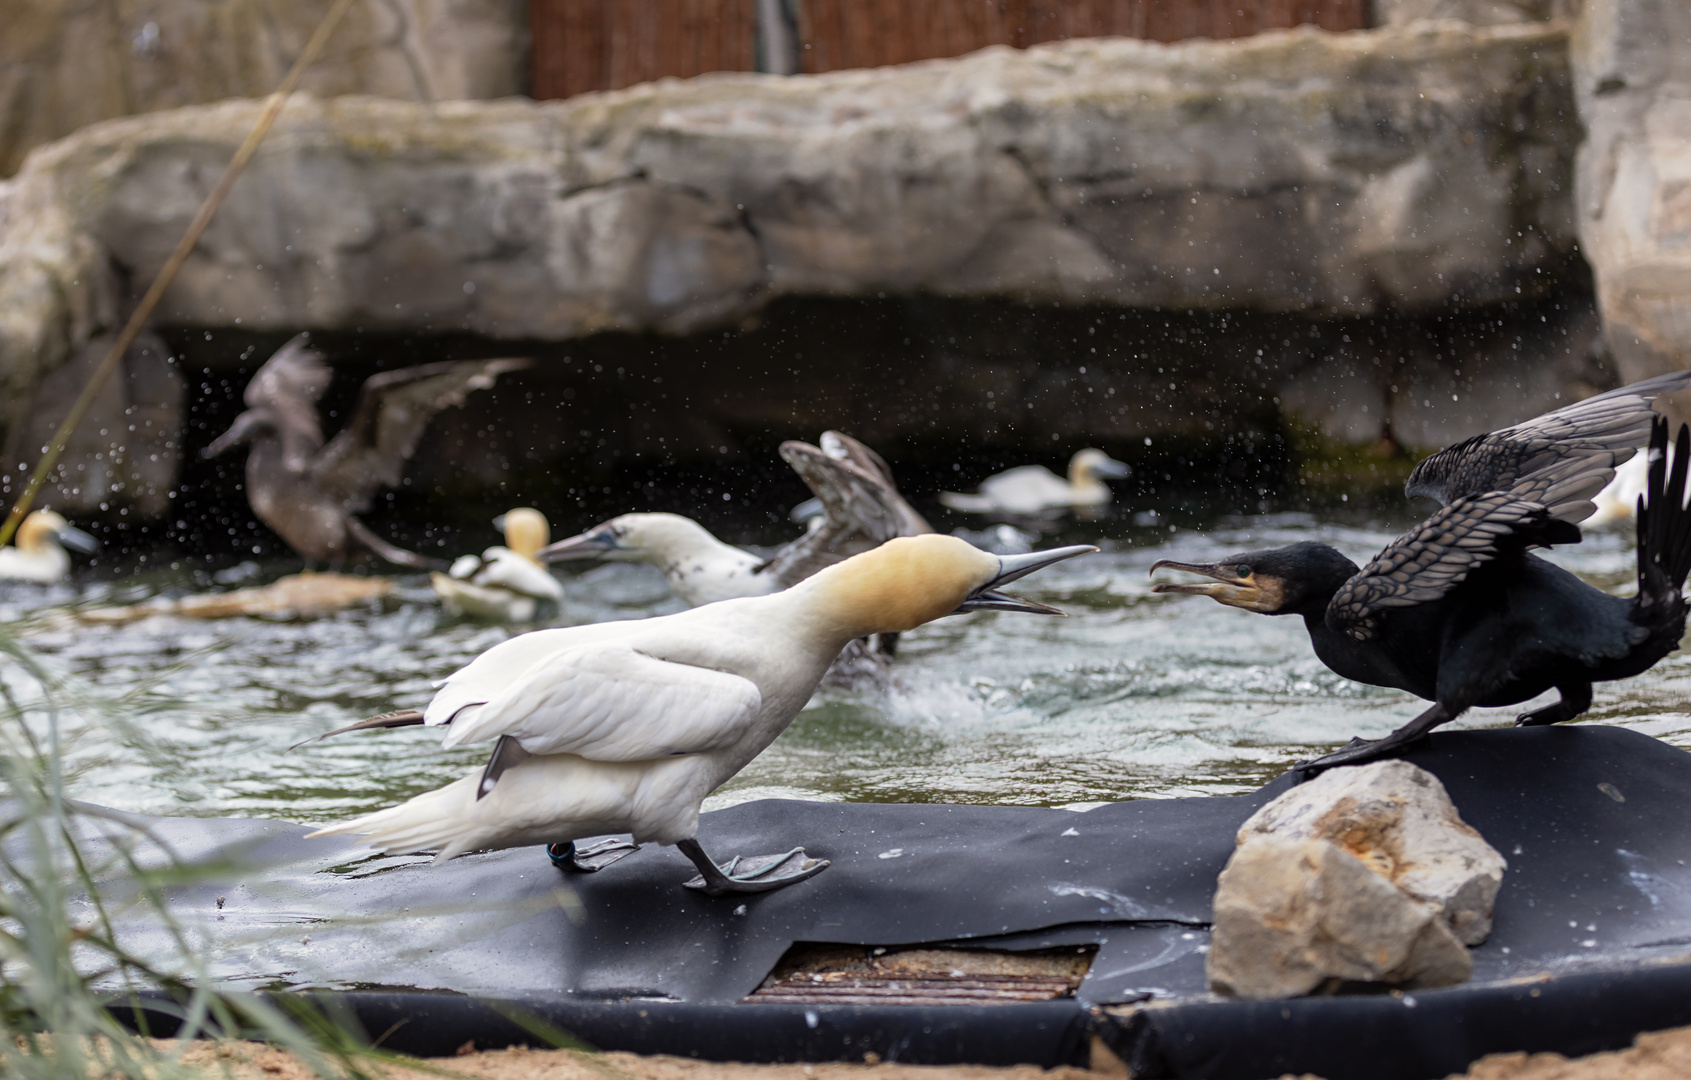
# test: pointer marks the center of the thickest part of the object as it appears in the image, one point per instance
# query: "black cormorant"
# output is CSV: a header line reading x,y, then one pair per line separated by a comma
x,y
1457,610
309,491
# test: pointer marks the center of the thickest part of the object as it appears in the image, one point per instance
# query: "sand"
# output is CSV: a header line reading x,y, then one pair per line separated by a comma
x,y
1664,1055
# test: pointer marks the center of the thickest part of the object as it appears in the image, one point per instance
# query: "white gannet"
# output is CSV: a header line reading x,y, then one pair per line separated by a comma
x,y
40,552
1617,503
309,491
505,583
1030,490
625,727
860,508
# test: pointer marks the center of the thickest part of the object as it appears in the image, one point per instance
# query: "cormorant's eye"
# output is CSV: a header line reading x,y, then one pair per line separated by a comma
x,y
1244,571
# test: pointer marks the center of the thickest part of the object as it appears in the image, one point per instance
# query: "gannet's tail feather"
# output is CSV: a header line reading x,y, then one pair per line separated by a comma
x,y
442,820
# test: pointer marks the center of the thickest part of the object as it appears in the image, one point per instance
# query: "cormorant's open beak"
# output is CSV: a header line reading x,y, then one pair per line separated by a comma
x,y
77,540
1014,568
593,544
1111,469
1229,588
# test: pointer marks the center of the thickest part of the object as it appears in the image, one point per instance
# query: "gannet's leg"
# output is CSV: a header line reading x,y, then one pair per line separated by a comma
x,y
1360,750
757,873
591,856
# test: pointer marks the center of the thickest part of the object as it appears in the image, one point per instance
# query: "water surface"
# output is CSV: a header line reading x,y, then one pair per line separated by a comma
x,y
1131,696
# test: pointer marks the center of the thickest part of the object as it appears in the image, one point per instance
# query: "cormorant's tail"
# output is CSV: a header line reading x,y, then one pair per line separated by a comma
x,y
1664,532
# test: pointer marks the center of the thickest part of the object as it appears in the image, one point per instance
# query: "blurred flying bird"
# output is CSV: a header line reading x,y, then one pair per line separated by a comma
x,y
503,583
625,727
40,552
1457,611
1031,490
309,491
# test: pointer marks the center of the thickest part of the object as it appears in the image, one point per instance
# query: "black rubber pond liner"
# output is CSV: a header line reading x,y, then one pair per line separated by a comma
x,y
1424,1035
1045,1033
1591,942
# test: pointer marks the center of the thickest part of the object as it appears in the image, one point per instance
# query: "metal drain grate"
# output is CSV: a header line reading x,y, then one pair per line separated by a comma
x,y
854,975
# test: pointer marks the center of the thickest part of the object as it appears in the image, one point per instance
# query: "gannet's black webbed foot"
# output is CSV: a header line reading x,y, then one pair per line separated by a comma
x,y
1358,751
590,856
749,874
1575,700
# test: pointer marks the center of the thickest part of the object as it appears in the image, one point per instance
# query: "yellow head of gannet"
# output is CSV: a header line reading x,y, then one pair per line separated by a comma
x,y
526,531
911,580
40,552
1090,466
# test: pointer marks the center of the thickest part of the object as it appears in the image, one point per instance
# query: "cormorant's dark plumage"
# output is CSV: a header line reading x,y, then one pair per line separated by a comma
x,y
1457,610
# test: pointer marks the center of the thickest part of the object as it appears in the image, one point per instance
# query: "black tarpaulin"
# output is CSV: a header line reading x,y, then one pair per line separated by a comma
x,y
1595,901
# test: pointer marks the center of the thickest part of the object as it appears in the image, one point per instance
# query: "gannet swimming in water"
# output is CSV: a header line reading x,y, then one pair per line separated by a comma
x,y
505,583
627,726
309,491
861,507
1028,490
40,552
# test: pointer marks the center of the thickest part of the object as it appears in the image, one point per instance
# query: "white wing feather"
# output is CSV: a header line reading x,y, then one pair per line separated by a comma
x,y
610,702
506,569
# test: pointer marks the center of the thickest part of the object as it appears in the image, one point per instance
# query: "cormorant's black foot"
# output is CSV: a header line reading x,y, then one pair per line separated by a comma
x,y
749,874
1575,700
1357,752
591,856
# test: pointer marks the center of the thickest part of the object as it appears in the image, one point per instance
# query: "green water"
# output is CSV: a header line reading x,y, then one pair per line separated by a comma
x,y
1132,696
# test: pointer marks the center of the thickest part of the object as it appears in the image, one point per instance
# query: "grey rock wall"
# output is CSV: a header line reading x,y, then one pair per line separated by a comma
x,y
1321,177
1632,63
68,63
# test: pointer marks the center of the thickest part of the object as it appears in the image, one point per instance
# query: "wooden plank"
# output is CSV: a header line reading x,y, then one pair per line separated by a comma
x,y
583,45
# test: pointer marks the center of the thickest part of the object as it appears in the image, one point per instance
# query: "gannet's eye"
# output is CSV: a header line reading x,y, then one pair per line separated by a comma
x,y
1243,570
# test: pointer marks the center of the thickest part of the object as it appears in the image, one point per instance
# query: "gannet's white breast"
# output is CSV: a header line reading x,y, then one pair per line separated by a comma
x,y
47,564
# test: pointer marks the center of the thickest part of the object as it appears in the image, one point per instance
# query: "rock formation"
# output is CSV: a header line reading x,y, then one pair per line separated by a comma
x,y
1633,77
65,64
1364,874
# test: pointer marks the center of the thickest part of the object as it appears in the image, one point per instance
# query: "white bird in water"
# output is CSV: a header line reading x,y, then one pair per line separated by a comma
x,y
861,507
1031,490
40,554
310,491
504,583
627,726
1617,503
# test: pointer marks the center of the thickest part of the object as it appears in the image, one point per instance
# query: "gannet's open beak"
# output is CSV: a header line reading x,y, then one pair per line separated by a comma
x,y
1014,568
77,540
499,523
1226,587
593,544
804,511
1111,469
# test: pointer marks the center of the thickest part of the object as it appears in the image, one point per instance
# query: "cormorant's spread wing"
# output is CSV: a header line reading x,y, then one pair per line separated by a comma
x,y
612,702
393,409
1560,459
1519,487
287,387
860,507
1428,561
